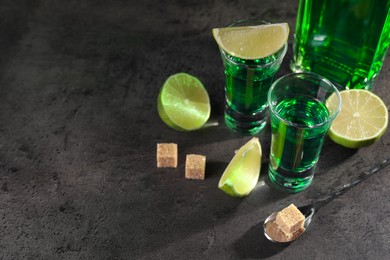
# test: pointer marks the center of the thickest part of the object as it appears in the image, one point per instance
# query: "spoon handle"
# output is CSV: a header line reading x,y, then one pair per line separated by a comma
x,y
364,175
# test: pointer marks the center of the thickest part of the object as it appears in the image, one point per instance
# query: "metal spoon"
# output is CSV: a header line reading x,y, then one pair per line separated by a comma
x,y
309,210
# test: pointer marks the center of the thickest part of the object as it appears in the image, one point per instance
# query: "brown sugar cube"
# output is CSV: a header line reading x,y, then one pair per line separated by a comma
x,y
195,166
290,219
167,155
278,235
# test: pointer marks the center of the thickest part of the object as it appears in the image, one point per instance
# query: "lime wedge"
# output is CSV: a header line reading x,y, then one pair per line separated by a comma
x,y
243,171
183,102
252,42
362,120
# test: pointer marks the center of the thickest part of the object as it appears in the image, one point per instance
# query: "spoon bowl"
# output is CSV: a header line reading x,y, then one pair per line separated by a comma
x,y
307,211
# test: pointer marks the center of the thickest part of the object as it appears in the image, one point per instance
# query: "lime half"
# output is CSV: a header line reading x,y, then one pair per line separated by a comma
x,y
362,120
243,171
252,42
183,102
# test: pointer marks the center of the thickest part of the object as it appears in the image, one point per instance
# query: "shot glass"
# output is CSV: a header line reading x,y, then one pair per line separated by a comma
x,y
246,87
300,119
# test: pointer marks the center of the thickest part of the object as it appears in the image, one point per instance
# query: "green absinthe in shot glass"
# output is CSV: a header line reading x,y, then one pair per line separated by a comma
x,y
344,41
296,150
247,85
300,121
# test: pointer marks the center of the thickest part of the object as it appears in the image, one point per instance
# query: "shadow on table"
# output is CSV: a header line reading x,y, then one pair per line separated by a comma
x,y
254,245
333,155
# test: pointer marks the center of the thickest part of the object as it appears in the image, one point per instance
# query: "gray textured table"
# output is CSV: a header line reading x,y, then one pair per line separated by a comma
x,y
78,133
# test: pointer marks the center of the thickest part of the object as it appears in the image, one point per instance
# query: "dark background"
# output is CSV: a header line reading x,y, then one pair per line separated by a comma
x,y
78,130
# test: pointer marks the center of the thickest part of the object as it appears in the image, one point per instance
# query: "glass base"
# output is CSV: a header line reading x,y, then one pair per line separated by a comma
x,y
291,184
246,124
364,84
297,69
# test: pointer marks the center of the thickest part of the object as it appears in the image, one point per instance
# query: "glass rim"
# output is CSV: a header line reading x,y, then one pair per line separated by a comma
x,y
249,22
311,75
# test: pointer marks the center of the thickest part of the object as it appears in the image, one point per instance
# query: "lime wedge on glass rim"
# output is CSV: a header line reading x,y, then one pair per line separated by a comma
x,y
183,102
362,120
252,42
243,171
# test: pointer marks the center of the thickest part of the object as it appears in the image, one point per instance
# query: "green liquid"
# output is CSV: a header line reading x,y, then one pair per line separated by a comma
x,y
247,85
345,41
295,148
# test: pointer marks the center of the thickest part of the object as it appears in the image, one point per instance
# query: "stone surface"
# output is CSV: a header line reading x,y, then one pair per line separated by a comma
x,y
79,82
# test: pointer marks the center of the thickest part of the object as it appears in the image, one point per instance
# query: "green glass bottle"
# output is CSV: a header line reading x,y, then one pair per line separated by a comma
x,y
345,41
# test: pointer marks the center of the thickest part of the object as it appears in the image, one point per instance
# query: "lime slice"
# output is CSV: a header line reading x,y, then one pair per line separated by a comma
x,y
183,102
362,120
243,171
252,42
